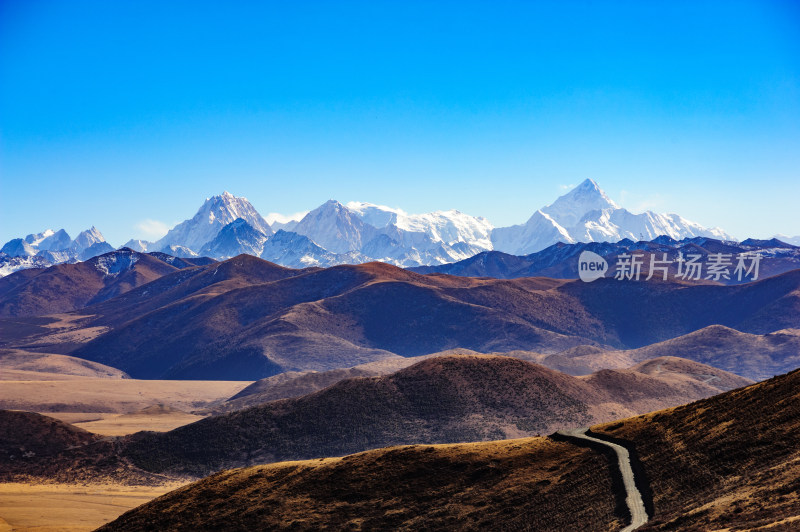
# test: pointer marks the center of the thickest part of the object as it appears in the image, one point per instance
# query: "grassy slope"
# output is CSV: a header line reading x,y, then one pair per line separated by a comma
x,y
528,484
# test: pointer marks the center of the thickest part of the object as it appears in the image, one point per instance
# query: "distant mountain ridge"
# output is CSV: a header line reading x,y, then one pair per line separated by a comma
x,y
335,233
560,261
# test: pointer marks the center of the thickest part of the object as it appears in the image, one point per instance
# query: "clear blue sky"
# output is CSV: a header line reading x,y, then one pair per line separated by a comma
x,y
113,113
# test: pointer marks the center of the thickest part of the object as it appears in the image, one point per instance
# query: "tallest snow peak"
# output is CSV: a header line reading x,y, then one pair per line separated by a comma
x,y
570,208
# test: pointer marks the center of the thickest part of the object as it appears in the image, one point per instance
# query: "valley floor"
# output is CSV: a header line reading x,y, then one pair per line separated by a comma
x,y
115,407
69,507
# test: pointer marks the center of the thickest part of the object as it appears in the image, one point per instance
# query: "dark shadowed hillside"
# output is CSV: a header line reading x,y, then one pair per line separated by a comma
x,y
36,447
438,400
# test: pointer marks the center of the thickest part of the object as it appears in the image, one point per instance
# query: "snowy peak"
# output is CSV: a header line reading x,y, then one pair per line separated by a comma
x,y
87,238
377,216
448,227
296,251
568,209
18,247
112,264
137,245
35,239
539,232
56,241
234,239
587,214
336,228
213,215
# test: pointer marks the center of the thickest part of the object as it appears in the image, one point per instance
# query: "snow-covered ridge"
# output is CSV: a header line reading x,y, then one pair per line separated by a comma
x,y
112,264
45,249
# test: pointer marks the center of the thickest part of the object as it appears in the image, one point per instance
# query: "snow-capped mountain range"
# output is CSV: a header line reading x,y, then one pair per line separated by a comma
x,y
50,247
335,233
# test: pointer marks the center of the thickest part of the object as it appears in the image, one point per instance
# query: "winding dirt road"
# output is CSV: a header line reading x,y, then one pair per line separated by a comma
x,y
634,497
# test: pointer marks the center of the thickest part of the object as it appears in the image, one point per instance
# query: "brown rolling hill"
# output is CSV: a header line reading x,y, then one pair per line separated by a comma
x,y
349,315
677,377
755,356
246,318
729,462
36,448
68,287
298,383
438,400
16,364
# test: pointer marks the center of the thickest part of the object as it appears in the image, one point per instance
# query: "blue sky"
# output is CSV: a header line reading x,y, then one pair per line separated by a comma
x,y
116,113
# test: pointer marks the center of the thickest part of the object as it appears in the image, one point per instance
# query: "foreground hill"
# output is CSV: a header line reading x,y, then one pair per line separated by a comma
x,y
438,400
727,462
525,484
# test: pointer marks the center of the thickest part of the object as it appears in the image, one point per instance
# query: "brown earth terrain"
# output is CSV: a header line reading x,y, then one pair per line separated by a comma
x,y
113,406
681,378
156,418
17,364
70,507
729,462
755,356
525,484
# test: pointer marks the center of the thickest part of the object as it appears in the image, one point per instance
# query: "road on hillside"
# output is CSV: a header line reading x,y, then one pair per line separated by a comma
x,y
633,497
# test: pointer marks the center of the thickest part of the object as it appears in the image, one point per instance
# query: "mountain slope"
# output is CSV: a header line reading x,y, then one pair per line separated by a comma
x,y
674,380
36,447
296,251
321,319
561,260
537,233
336,228
754,356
